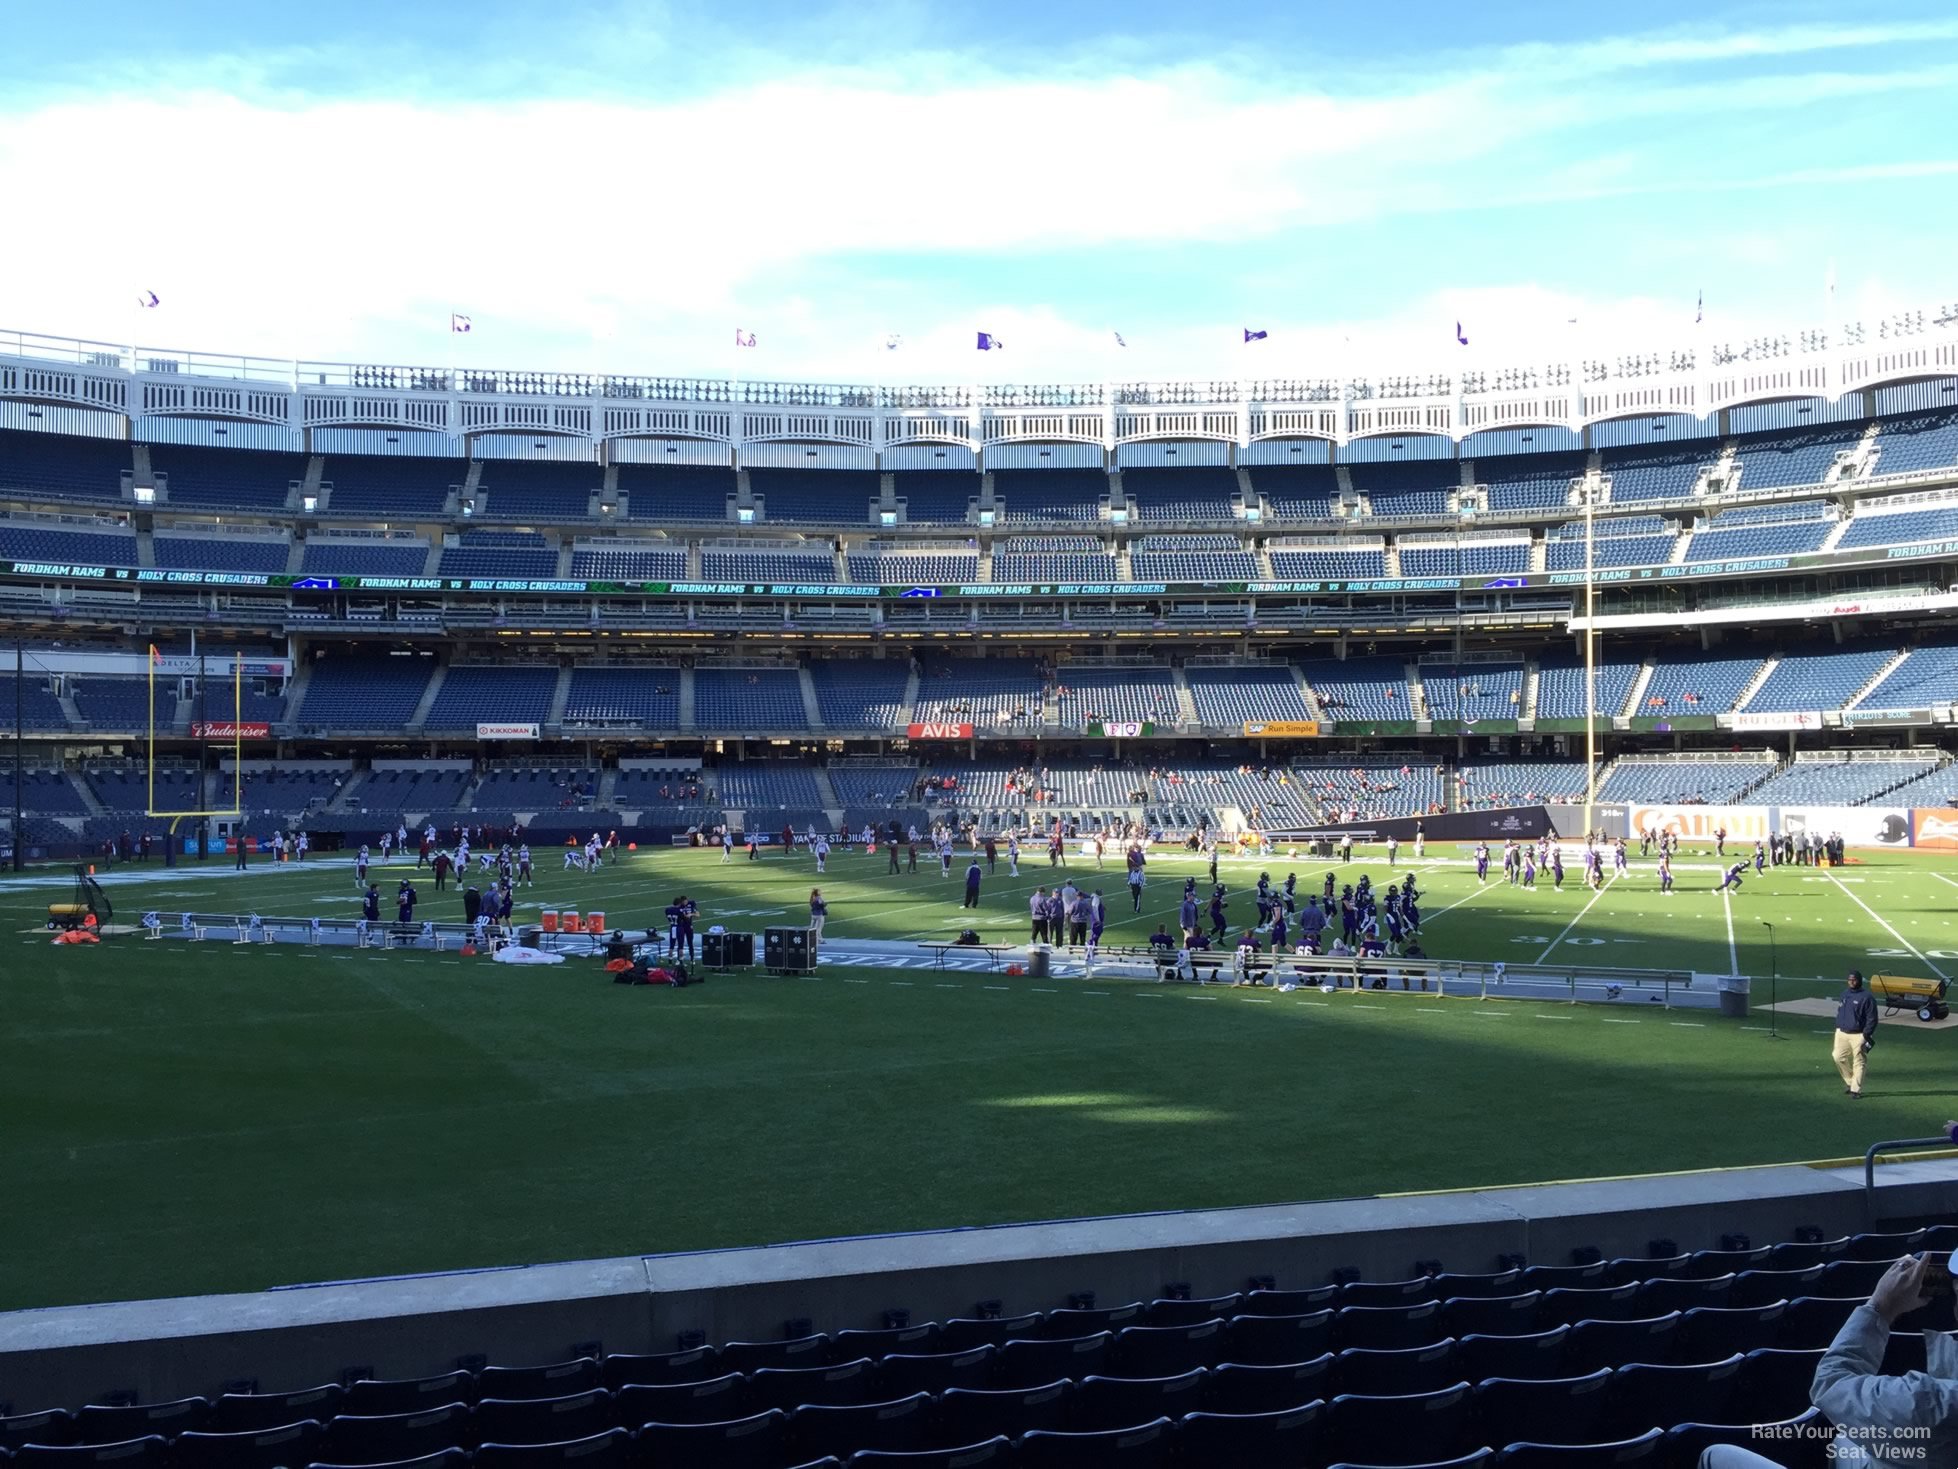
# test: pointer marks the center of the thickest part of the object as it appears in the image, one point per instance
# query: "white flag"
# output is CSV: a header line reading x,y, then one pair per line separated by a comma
x,y
458,322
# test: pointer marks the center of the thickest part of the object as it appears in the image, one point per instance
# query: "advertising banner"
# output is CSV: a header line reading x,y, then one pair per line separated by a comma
x,y
1285,729
1859,826
229,730
1699,823
1936,828
1120,730
1781,719
938,731
506,731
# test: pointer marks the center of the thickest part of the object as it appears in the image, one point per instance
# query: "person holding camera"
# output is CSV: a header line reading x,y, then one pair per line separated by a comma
x,y
1855,1032
1909,1418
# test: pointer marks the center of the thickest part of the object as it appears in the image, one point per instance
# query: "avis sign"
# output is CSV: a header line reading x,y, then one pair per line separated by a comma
x,y
938,731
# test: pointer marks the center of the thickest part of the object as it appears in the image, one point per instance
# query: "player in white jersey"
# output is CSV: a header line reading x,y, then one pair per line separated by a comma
x,y
360,867
727,845
820,847
594,853
574,857
387,845
523,865
1012,854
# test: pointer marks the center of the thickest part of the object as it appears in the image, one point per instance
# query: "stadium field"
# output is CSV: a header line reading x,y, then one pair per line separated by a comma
x,y
189,1118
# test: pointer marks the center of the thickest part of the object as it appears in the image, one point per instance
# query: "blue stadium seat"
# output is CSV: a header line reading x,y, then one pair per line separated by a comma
x,y
543,1420
244,1412
1120,1402
696,1364
1764,1287
1410,1292
522,555
1142,1446
1708,1333
1476,1460
181,551
63,466
1912,443
611,1449
1194,558
1534,1356
715,1400
852,1343
536,492
1189,1313
1813,1321
757,1442
748,698
1373,1371
54,1427
1032,495
1777,459
840,1385
1025,1364
1288,1302
33,541
1847,1277
1226,696
1647,1449
963,1333
228,479
549,1380
385,1437
1242,1387
1802,1441
452,1458
1410,489
1656,1395
889,566
1449,1284
1878,524
100,1424
661,493
1655,474
629,561
817,1429
1054,559
1565,1277
900,1373
1272,1340
1296,492
1595,1344
1656,1297
374,1397
472,696
1554,1410
1287,1436
815,496
1161,1351
1800,1254
1490,1315
1403,1428
937,496
1356,559
1529,481
1197,493
1070,1322
390,487
265,1448
148,1452
390,556
991,1453
968,1415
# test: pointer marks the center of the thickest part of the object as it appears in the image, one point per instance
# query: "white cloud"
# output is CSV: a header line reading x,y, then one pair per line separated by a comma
x,y
617,235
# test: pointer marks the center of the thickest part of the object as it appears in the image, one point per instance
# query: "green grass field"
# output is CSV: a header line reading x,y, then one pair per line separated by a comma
x,y
184,1118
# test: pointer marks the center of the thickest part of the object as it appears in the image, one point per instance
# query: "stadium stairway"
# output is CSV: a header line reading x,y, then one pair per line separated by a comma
x,y
145,548
1532,680
1186,702
564,561
686,697
832,803
1636,698
909,713
1417,693
1677,555
90,801
811,709
1391,561
309,487
1124,568
1248,496
605,798
1761,676
343,796
295,555
429,695
470,484
561,695
1835,535
1881,674
1264,563
302,679
985,567
70,712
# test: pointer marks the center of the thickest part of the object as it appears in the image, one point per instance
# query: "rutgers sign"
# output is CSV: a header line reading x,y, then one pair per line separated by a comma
x,y
938,731
229,731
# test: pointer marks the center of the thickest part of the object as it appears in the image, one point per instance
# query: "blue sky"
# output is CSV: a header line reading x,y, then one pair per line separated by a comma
x,y
618,187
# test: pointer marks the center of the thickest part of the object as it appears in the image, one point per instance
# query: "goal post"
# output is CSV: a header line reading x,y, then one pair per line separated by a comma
x,y
202,724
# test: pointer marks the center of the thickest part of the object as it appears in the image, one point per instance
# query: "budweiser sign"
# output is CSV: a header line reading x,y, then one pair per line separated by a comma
x,y
938,731
200,730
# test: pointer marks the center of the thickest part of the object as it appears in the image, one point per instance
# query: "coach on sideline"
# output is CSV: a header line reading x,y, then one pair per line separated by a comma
x,y
1855,1032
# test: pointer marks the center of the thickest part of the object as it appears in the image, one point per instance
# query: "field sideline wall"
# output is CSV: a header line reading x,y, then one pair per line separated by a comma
x,y
416,1326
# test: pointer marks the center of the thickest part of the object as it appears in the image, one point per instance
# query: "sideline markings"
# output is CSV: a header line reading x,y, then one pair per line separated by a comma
x,y
1605,888
1881,923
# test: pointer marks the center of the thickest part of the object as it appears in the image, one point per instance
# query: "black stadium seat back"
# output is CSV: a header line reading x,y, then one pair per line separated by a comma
x,y
1165,1351
543,1420
1244,1388
1409,1292
1491,1315
266,1448
759,1441
800,1352
1562,1410
1402,1428
1374,1372
967,1415
1595,1344
1877,1247
1288,1302
1705,1264
1190,1313
901,1424
1797,1442
1634,1269
700,1364
1708,1333
1652,1395
791,1387
1279,1339
916,1340
1452,1286
51,1426
1535,1356
1290,1436
1763,1287
1936,1238
1564,1306
96,1424
379,1398
1140,1446
1388,1326
1801,1254
1475,1460
1774,1381
715,1401
550,1380
1122,1402
1851,1277
1031,1363
385,1438
1070,1323
991,1453
456,1458
243,1412
1648,1450
1565,1277
611,1449
901,1373
1813,1321
148,1452
1656,1297
963,1333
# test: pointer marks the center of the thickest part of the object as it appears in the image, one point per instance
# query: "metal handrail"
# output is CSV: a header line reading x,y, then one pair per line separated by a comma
x,y
1892,1146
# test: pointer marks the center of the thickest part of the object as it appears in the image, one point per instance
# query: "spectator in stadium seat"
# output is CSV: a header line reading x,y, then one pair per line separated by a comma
x,y
1894,1420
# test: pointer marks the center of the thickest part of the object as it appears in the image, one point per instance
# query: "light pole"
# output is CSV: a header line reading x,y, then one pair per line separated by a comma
x,y
1774,984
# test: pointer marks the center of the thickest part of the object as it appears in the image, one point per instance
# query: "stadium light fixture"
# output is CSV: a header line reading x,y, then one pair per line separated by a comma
x,y
145,494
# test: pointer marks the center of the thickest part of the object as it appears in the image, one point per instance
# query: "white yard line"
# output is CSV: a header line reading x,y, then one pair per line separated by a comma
x,y
1579,919
1881,923
1733,951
